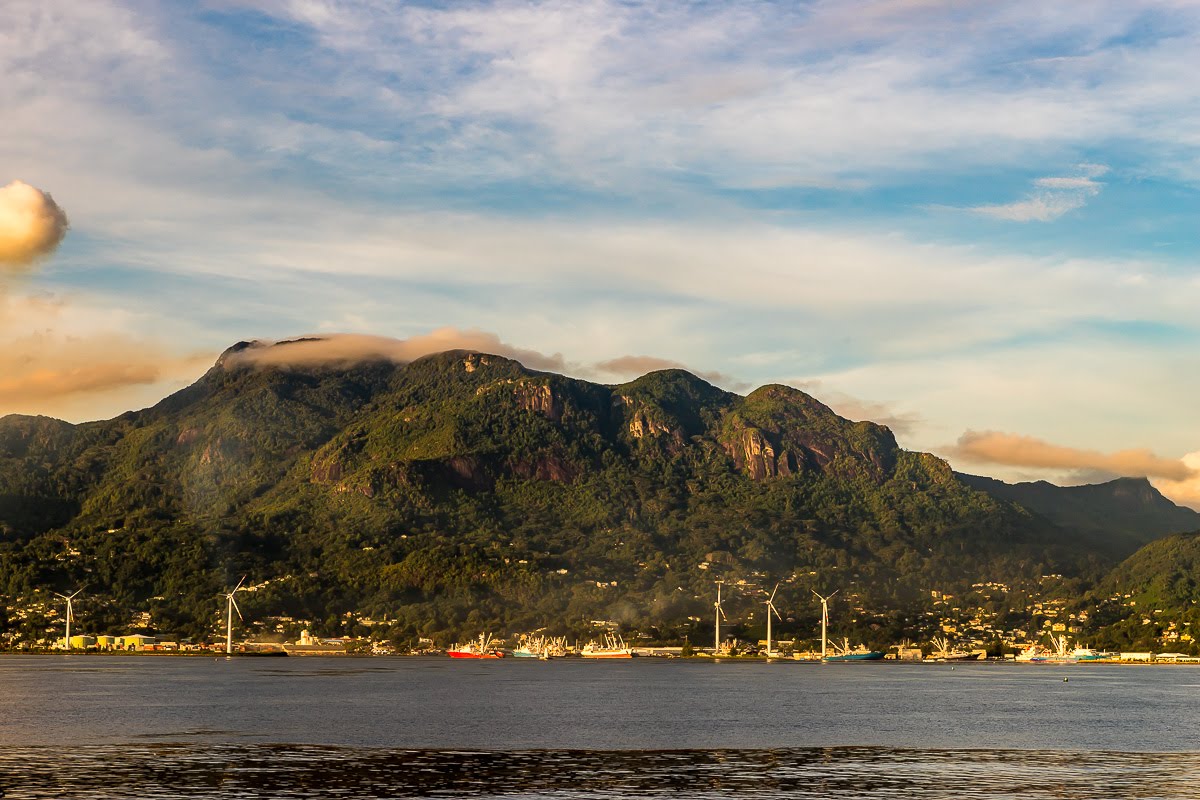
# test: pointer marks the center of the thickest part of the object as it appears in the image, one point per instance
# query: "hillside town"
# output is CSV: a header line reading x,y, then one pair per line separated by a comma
x,y
991,621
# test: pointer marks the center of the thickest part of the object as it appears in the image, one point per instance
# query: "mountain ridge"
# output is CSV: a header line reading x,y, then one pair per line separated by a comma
x,y
462,490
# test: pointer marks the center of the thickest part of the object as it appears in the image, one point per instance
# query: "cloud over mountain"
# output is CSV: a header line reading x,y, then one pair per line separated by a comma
x,y
993,447
1186,491
636,366
350,348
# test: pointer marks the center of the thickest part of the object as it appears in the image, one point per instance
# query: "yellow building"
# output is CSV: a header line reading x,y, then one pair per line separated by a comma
x,y
134,641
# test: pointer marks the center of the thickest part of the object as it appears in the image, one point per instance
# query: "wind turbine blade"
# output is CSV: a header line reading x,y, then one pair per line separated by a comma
x,y
239,584
722,612
775,611
235,608
56,594
72,597
773,591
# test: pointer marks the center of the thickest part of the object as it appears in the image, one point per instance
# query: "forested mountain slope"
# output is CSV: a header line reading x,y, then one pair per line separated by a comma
x,y
463,491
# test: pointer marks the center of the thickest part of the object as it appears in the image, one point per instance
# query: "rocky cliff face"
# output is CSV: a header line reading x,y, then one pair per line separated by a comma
x,y
753,452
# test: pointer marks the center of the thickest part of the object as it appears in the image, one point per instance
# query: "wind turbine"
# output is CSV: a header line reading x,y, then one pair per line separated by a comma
x,y
770,604
231,606
720,615
70,615
824,621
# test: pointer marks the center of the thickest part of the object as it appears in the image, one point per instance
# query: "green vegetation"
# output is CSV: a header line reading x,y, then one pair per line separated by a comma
x,y
463,492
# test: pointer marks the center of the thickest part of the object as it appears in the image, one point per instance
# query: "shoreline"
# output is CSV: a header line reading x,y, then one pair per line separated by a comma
x,y
698,658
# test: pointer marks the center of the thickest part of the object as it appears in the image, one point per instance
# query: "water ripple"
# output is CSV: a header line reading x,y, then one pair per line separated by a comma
x,y
282,772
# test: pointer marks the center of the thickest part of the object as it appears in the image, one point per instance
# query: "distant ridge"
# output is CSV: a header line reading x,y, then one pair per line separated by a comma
x,y
1123,514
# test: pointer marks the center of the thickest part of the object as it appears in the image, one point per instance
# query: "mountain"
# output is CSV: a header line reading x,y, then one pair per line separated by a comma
x,y
463,491
1149,600
1119,516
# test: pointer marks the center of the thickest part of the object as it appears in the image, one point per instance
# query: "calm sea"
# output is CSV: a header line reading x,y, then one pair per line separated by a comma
x,y
149,727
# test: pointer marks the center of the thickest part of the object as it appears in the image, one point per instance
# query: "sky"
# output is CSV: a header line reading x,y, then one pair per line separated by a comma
x,y
973,222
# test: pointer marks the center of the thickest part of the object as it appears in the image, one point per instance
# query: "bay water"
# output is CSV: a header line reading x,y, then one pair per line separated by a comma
x,y
164,727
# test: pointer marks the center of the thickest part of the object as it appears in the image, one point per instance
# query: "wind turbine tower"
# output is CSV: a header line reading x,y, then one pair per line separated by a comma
x,y
770,604
231,606
70,615
824,621
719,616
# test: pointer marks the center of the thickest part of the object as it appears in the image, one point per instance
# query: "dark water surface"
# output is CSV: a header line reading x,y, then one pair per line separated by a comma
x,y
150,727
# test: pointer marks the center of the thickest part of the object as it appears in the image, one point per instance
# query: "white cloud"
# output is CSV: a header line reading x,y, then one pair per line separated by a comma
x,y
1052,197
31,225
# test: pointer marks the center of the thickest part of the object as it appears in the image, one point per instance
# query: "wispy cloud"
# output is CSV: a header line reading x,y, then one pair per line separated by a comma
x,y
745,95
64,359
1051,198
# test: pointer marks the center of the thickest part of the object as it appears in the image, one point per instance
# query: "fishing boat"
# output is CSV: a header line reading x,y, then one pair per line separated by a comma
x,y
1088,654
481,648
844,652
612,647
542,647
943,651
529,646
1039,654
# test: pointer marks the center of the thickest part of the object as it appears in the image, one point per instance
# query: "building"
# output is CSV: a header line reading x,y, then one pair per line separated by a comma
x,y
134,641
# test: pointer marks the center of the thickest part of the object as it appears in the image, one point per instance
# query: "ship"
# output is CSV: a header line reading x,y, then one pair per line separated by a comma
x,y
845,653
943,651
1088,654
481,648
1038,654
542,647
612,647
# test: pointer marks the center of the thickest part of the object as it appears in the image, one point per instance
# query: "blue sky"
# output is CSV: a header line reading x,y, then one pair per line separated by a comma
x,y
954,218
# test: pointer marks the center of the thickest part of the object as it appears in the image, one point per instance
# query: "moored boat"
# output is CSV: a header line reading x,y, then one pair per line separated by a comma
x,y
1037,654
543,647
612,647
482,648
846,653
1088,654
943,651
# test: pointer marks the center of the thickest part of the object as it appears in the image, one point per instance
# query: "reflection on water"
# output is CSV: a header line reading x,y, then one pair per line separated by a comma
x,y
276,771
